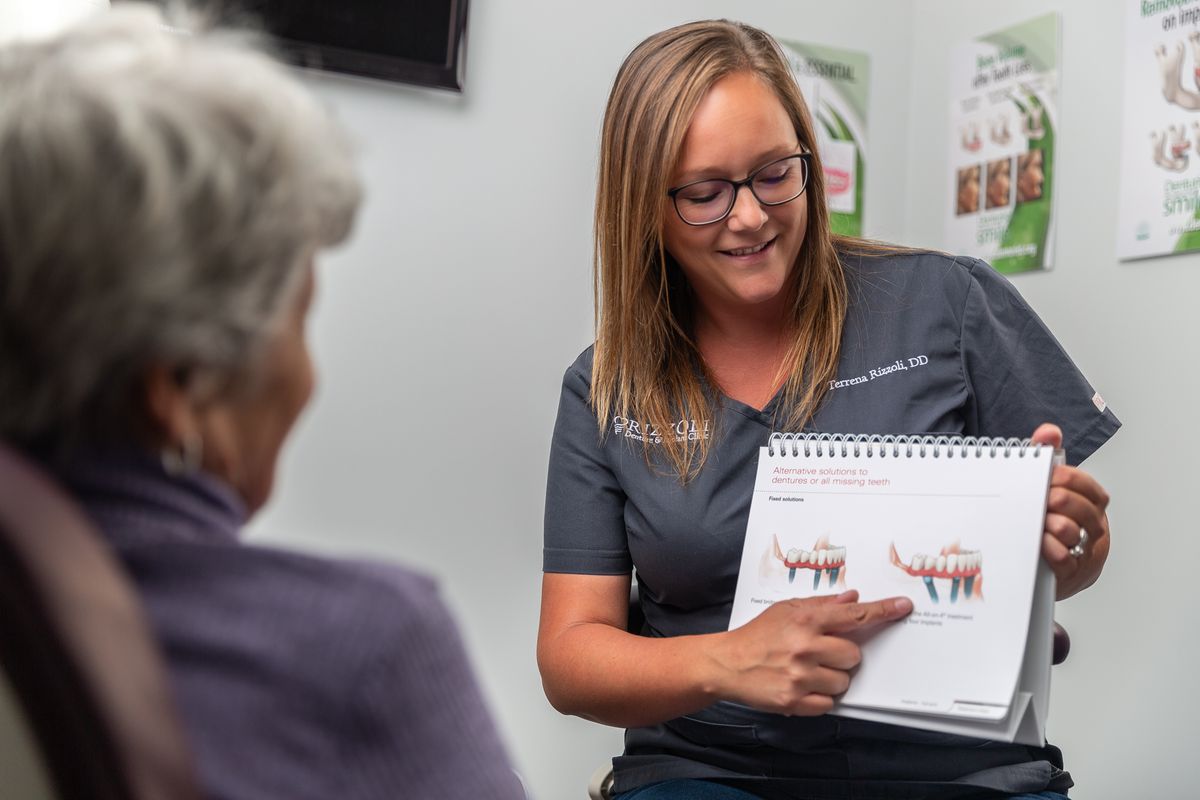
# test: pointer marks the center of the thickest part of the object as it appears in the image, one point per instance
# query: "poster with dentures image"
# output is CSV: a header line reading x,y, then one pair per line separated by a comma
x,y
956,528
1003,122
1159,197
834,84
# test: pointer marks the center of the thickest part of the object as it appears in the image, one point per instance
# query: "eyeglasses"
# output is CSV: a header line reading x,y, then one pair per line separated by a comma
x,y
708,201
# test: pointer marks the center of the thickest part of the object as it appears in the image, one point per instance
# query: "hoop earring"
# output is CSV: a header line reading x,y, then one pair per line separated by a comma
x,y
184,458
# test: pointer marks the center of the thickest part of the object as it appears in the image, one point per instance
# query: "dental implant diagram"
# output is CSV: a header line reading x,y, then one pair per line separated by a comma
x,y
961,567
822,560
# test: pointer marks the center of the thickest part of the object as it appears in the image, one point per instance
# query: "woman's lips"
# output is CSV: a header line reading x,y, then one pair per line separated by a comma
x,y
751,251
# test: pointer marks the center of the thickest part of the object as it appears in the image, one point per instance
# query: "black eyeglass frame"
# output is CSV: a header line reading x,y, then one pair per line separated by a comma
x,y
748,182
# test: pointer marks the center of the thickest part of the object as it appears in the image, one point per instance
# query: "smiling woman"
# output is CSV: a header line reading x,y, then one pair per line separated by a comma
x,y
1030,176
725,299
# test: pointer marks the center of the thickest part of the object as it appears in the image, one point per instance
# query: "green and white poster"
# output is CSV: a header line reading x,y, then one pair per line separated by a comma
x,y
1003,123
834,84
1159,209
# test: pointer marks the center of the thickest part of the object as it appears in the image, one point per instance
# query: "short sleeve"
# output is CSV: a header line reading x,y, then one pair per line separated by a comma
x,y
585,505
1019,376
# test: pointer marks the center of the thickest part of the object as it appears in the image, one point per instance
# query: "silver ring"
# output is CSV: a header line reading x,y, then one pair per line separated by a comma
x,y
1077,551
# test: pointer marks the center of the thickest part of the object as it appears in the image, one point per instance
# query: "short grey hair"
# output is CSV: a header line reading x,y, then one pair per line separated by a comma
x,y
161,193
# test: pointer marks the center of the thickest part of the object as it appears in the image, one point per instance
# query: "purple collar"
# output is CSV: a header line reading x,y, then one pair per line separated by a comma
x,y
134,501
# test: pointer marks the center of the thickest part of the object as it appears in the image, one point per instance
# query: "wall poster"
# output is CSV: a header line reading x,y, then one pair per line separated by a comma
x,y
1159,209
834,84
1003,123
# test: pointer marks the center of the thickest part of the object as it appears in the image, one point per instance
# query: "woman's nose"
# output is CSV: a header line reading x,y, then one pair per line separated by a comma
x,y
747,213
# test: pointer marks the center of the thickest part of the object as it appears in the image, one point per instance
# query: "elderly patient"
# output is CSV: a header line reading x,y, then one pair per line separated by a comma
x,y
162,198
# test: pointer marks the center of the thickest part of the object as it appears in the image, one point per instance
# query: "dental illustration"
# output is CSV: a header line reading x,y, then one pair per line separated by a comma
x,y
1031,120
970,137
822,560
1170,146
963,568
999,130
1174,138
1170,63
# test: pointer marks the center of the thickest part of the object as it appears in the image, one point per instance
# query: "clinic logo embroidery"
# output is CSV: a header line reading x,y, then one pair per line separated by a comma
x,y
685,430
897,366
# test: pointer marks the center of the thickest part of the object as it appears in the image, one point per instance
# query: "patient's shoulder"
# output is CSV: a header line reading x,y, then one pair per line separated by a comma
x,y
302,612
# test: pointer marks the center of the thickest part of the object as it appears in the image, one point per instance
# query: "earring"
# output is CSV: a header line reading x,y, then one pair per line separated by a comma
x,y
184,458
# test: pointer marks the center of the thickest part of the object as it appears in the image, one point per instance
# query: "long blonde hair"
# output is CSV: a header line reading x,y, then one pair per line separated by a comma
x,y
646,364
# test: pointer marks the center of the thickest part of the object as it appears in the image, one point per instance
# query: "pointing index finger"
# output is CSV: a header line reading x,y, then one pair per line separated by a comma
x,y
856,616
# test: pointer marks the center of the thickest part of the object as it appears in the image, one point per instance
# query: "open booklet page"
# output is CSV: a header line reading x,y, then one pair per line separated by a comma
x,y
957,528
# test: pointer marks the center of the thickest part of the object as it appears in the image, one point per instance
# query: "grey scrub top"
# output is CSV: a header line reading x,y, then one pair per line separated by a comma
x,y
931,344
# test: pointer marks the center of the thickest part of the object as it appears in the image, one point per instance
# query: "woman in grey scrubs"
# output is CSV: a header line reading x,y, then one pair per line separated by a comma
x,y
728,309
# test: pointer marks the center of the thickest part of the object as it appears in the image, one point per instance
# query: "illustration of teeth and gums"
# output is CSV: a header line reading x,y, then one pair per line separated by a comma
x,y
821,559
961,567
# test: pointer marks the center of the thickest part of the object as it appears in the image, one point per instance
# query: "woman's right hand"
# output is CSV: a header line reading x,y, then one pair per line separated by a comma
x,y
791,659
794,658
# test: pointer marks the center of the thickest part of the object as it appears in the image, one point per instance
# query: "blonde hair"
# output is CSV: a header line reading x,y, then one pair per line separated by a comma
x,y
646,363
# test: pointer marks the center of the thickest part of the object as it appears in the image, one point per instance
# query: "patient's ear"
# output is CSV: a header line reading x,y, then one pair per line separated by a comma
x,y
170,414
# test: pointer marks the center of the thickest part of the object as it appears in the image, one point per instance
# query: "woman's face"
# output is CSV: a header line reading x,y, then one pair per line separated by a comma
x,y
745,259
244,432
1029,182
998,183
968,192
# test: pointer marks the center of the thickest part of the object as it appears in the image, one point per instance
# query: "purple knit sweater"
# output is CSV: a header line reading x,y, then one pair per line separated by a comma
x,y
297,677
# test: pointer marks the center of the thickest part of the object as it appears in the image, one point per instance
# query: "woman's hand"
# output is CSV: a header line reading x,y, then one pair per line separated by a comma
x,y
1077,502
793,659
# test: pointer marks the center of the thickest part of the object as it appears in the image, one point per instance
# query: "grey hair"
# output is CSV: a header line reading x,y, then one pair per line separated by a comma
x,y
161,194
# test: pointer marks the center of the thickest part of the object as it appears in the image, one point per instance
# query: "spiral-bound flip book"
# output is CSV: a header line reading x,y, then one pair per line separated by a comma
x,y
953,523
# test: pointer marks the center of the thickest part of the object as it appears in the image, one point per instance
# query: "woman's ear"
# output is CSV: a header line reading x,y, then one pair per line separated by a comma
x,y
189,424
170,415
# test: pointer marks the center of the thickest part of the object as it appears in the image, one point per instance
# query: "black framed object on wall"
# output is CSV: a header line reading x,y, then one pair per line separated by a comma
x,y
410,41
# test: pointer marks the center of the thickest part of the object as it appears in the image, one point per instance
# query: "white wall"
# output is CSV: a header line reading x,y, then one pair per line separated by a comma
x,y
28,19
1124,706
443,330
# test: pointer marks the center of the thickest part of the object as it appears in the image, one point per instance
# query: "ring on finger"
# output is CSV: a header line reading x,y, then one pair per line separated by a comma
x,y
1077,551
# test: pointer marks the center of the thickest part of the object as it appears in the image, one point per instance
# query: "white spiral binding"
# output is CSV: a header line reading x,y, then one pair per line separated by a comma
x,y
829,445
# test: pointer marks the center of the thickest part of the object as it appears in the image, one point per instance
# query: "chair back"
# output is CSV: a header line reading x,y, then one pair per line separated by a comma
x,y
79,653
